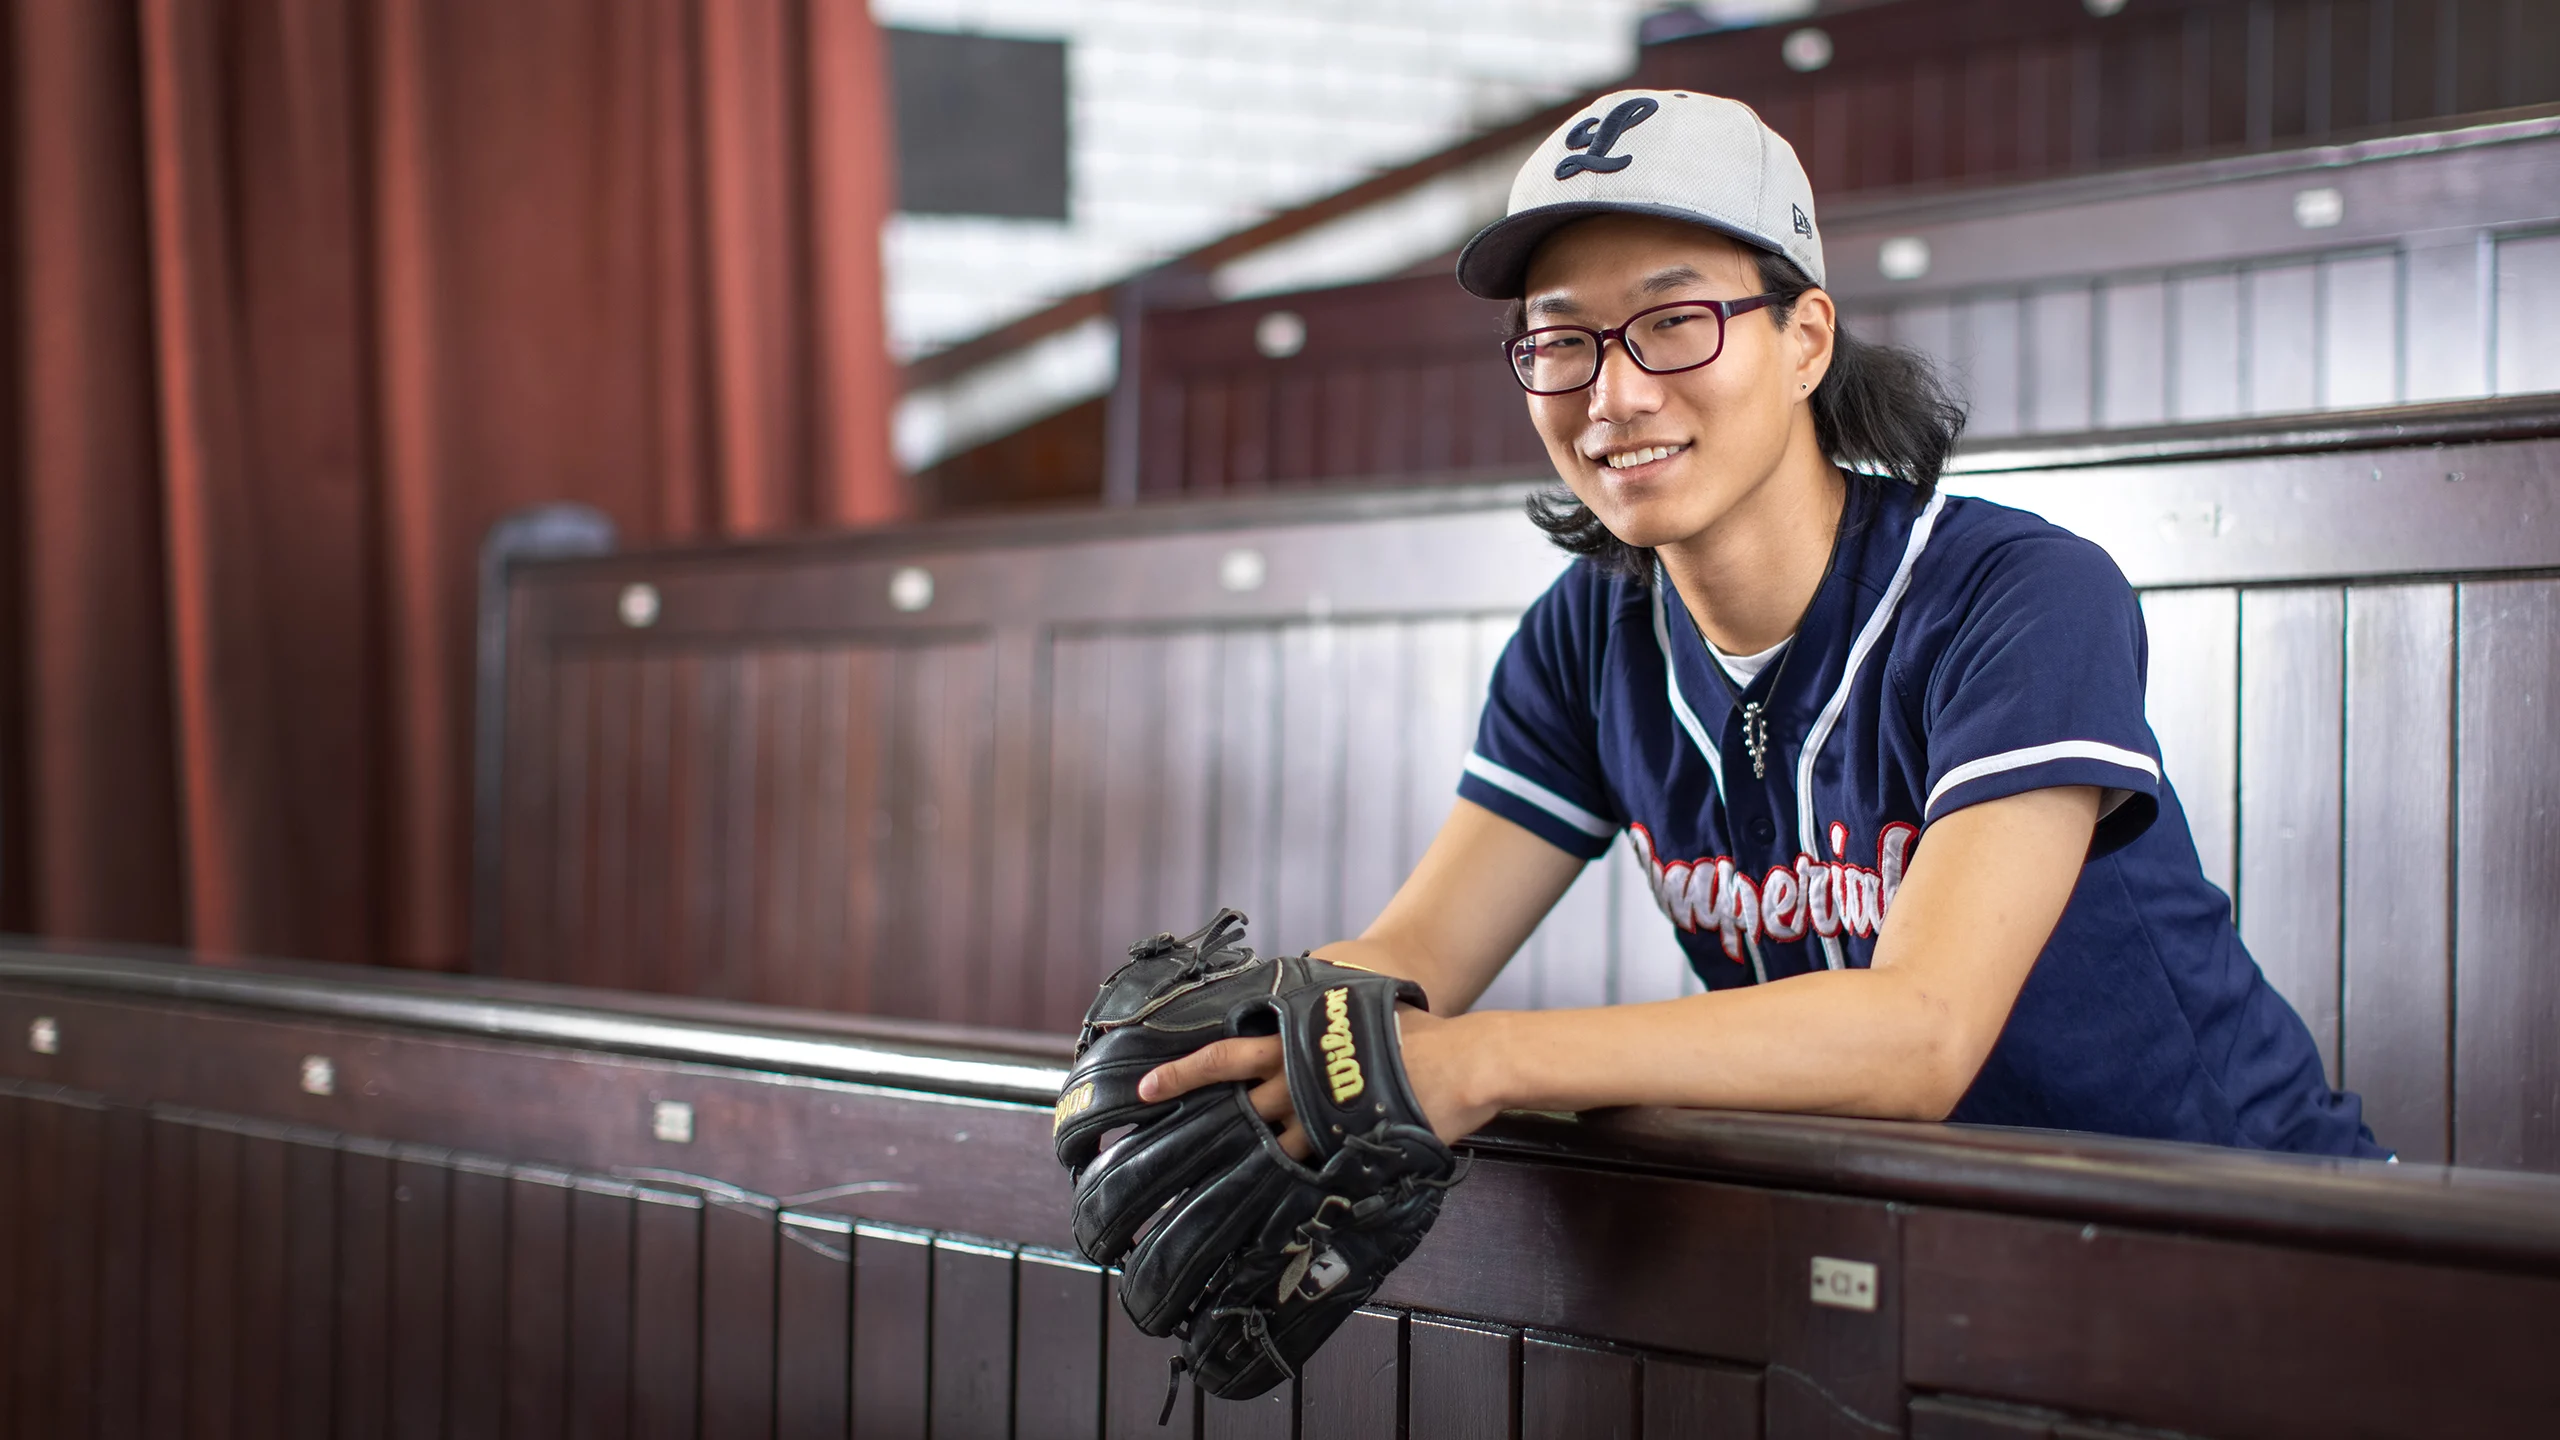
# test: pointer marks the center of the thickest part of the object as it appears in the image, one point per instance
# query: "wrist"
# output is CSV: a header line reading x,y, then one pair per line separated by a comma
x,y
1485,1049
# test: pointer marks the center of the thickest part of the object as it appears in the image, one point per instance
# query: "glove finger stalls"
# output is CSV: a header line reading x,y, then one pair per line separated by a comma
x,y
1122,1190
1102,1098
1171,1268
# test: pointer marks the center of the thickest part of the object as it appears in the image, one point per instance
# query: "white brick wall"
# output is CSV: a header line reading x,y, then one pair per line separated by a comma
x,y
1193,118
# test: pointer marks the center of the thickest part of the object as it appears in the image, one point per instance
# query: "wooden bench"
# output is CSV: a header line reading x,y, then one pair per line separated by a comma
x,y
747,772
2401,269
297,1200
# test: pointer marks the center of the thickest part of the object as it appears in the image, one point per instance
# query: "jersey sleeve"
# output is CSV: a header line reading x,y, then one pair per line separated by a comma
x,y
1536,760
2041,685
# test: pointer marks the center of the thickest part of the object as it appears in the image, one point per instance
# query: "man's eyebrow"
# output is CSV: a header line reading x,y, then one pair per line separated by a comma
x,y
1677,277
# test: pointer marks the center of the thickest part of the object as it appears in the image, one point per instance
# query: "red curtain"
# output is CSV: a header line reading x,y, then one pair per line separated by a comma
x,y
300,295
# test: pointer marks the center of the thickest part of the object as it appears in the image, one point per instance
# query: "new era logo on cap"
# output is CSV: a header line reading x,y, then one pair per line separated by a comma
x,y
1672,153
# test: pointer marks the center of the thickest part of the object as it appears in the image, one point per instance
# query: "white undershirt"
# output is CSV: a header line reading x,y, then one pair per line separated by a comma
x,y
1745,668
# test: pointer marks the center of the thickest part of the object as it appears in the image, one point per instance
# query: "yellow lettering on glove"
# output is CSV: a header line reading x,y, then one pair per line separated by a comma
x,y
1072,1104
1343,1066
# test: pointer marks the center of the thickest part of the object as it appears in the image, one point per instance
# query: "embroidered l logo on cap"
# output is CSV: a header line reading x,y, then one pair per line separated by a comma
x,y
1594,137
1677,154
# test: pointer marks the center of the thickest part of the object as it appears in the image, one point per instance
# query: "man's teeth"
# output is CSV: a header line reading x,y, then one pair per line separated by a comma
x,y
1646,456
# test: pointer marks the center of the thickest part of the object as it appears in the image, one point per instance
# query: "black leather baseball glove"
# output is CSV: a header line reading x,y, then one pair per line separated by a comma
x,y
1253,1257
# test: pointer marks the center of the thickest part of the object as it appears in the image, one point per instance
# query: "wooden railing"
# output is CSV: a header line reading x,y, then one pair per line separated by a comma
x,y
291,1200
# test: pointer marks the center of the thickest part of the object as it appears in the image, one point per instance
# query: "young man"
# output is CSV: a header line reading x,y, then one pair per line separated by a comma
x,y
1883,752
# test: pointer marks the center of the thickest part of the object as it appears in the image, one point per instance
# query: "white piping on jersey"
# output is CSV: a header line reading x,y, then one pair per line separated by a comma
x,y
1830,716
1671,682
1972,770
1540,796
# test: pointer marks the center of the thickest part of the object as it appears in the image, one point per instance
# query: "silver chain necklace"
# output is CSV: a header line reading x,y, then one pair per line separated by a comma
x,y
1755,722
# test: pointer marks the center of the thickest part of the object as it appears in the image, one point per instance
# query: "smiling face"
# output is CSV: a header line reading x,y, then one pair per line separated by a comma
x,y
1662,459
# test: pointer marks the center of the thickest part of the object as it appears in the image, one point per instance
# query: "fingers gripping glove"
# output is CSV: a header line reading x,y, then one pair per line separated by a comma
x,y
1256,1258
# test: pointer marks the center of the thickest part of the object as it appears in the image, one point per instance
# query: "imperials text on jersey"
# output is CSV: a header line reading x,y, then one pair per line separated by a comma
x,y
1823,897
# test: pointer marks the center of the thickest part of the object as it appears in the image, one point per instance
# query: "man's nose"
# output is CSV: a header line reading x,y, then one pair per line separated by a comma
x,y
1623,389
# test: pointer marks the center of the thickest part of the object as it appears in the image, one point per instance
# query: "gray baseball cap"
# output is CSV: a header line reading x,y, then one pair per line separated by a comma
x,y
1673,153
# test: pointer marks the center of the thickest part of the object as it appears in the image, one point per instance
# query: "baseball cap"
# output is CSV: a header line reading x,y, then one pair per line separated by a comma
x,y
1673,153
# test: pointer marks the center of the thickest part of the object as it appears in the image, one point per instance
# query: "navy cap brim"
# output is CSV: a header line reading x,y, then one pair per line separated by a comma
x,y
1495,264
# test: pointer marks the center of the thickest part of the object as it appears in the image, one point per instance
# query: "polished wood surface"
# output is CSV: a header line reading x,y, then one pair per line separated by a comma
x,y
372,1261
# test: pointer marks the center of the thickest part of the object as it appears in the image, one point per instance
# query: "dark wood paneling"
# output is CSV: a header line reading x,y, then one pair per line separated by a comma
x,y
1135,1385
1701,1284
537,1303
1418,352
213,1286
1355,1385
80,1151
1939,1419
1058,459
2396,883
1272,1415
1464,1380
39,1210
2050,87
2507,991
812,1373
265,1218
1571,1391
364,1289
773,1140
2105,1322
892,1331
666,1299
1700,1401
1575,1335
1057,1348
311,1288
17,1227
1833,1371
420,1181
737,1318
2292,689
164,1289
972,1343
476,1401
124,1253
601,1311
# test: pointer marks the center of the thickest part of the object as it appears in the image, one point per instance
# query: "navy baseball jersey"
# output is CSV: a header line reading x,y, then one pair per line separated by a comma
x,y
1957,652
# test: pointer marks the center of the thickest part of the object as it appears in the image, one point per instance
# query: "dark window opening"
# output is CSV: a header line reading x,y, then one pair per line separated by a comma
x,y
981,124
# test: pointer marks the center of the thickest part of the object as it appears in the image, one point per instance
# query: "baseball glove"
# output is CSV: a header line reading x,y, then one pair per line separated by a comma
x,y
1253,1257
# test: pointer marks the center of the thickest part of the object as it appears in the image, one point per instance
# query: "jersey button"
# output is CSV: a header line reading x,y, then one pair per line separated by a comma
x,y
1763,831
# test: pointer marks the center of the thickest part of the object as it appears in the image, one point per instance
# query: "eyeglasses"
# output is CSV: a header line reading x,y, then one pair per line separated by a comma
x,y
1665,340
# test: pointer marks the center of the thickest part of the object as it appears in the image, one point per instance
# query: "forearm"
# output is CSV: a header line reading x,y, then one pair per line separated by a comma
x,y
1451,989
1841,1042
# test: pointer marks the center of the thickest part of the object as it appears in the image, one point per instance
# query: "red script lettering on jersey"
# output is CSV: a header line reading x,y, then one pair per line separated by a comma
x,y
1828,898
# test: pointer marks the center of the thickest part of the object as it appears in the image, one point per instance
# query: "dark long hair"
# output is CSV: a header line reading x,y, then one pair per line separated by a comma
x,y
1882,414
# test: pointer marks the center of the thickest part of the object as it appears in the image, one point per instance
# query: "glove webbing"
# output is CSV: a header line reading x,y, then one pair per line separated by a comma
x,y
1311,1231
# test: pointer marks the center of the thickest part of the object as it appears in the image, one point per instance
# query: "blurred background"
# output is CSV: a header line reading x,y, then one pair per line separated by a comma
x,y
302,296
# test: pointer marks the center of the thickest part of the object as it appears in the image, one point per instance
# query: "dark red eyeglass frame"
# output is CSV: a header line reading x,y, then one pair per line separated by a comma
x,y
1724,311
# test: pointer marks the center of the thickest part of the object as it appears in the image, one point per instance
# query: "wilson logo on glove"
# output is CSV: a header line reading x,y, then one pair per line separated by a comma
x,y
1342,1059
1072,1104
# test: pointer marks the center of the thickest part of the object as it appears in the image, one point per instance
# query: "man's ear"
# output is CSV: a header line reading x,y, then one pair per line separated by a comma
x,y
1815,328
